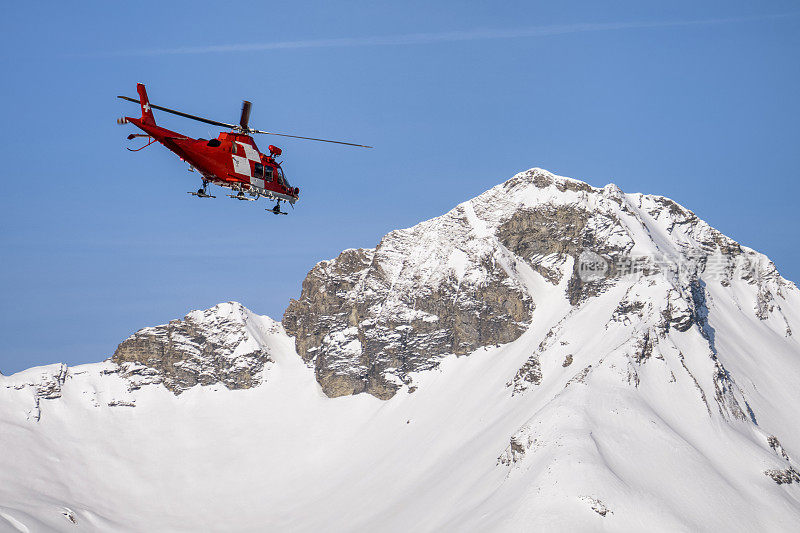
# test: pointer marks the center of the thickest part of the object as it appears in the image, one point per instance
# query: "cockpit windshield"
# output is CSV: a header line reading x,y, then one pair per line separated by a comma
x,y
281,178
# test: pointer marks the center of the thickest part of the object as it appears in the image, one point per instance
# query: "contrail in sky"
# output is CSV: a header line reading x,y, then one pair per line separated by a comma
x,y
443,37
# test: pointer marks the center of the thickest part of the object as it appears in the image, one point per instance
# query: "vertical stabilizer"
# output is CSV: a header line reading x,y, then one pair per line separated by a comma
x,y
147,113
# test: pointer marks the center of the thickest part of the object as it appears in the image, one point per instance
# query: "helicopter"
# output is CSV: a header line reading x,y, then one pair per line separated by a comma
x,y
232,160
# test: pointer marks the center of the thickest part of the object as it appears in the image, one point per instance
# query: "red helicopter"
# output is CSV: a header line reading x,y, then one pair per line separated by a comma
x,y
231,160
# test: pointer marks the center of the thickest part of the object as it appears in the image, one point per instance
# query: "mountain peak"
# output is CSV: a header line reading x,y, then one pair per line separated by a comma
x,y
219,345
473,277
611,350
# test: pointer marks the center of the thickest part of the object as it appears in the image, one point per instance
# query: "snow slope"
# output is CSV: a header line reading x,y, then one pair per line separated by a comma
x,y
664,402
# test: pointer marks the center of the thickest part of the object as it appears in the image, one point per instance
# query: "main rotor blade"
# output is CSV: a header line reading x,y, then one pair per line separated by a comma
x,y
181,114
245,119
243,126
309,138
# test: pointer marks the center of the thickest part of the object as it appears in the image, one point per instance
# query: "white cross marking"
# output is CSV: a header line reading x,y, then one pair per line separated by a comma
x,y
146,108
250,152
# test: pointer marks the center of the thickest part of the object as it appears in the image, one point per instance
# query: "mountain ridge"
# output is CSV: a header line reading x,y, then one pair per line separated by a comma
x,y
546,218
548,354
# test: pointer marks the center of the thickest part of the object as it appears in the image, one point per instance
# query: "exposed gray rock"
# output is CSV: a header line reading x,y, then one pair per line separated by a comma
x,y
677,313
50,387
644,347
122,403
529,374
520,443
597,505
786,476
206,347
775,444
69,514
561,231
580,377
369,318
47,384
535,233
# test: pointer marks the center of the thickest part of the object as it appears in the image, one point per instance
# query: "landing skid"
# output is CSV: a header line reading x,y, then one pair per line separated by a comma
x,y
242,197
201,194
277,210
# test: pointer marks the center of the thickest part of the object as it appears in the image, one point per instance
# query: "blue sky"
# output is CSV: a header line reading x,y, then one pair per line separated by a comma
x,y
693,100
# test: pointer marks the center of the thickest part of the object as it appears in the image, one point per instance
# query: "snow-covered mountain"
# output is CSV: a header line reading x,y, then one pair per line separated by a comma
x,y
546,356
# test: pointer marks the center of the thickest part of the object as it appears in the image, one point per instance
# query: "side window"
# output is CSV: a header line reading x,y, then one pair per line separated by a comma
x,y
258,170
268,173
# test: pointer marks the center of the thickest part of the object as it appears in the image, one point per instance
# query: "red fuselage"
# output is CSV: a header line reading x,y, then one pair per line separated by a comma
x,y
231,160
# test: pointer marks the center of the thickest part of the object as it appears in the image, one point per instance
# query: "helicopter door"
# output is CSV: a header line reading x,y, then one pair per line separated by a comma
x,y
257,179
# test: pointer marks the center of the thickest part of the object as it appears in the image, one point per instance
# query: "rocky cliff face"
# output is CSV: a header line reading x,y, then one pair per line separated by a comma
x,y
371,317
217,345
